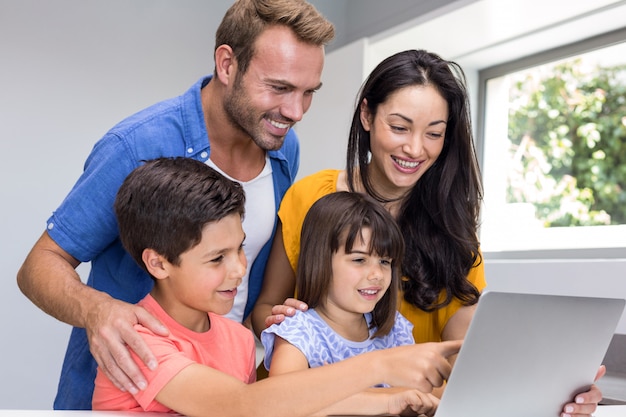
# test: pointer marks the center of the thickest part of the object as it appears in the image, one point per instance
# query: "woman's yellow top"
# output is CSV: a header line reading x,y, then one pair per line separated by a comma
x,y
427,326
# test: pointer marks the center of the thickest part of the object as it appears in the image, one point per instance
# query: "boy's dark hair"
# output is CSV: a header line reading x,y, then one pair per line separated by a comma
x,y
165,203
338,219
245,20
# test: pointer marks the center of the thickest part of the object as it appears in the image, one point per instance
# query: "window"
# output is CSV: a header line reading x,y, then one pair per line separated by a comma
x,y
554,150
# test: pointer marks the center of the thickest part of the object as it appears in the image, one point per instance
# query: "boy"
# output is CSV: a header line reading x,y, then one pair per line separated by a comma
x,y
181,221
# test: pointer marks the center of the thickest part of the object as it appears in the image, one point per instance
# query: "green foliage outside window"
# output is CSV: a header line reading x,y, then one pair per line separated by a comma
x,y
567,128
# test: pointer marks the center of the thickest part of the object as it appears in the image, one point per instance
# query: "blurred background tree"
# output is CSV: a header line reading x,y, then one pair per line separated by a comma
x,y
567,128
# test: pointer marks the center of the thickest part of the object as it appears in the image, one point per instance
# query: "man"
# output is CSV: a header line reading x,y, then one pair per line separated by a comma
x,y
268,63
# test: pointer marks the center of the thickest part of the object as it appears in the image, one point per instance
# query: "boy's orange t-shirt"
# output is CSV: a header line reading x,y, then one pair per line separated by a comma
x,y
228,347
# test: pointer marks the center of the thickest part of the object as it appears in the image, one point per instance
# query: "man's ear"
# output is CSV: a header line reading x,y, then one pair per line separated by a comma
x,y
225,64
155,263
365,115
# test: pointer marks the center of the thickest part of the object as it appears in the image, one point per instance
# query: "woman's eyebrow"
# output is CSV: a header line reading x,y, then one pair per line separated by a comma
x,y
408,119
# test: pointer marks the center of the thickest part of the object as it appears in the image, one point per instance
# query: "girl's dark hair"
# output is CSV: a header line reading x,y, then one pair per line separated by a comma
x,y
165,203
439,216
339,219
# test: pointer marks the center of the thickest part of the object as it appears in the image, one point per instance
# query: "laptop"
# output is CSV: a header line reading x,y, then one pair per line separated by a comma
x,y
526,355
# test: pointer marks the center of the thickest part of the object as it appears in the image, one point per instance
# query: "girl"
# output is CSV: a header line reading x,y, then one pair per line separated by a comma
x,y
348,275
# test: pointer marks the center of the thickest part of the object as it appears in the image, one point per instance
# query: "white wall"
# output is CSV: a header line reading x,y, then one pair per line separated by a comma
x,y
324,130
575,277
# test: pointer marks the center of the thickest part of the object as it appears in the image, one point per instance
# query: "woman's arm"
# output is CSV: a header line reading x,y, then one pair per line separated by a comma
x,y
455,329
457,325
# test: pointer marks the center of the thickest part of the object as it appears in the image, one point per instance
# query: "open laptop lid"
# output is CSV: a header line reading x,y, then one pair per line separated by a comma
x,y
527,355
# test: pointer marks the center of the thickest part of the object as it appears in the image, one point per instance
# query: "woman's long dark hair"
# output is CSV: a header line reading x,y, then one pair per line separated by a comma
x,y
439,216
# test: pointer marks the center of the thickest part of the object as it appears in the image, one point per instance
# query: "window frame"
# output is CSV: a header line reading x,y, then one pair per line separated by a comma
x,y
561,52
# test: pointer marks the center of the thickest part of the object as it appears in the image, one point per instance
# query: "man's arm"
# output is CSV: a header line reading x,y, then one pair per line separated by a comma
x,y
49,279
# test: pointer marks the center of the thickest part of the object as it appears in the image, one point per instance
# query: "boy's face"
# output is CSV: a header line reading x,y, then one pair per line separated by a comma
x,y
207,277
360,278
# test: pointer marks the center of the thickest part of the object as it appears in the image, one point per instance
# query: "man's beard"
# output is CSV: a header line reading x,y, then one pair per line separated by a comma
x,y
242,116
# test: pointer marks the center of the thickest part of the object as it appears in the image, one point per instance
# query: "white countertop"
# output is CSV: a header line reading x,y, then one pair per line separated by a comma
x,y
603,411
76,413
611,411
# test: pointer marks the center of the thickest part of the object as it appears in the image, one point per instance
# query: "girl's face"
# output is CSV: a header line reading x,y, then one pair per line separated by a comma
x,y
360,279
406,138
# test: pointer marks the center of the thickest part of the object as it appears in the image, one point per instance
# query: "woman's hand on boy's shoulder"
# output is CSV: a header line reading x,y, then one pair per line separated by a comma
x,y
287,309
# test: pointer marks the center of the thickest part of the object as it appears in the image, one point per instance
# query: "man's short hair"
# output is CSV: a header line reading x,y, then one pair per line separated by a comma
x,y
245,20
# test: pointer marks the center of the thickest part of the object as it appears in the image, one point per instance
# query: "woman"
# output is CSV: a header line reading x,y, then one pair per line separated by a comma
x,y
411,148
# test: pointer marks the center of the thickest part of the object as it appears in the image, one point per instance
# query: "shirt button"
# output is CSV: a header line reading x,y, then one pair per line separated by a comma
x,y
189,150
204,155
